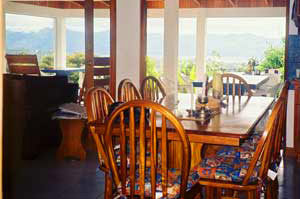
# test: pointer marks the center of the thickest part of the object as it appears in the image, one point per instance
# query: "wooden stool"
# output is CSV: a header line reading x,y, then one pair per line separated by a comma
x,y
71,145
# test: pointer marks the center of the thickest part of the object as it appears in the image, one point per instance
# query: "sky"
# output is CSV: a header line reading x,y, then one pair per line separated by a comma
x,y
272,27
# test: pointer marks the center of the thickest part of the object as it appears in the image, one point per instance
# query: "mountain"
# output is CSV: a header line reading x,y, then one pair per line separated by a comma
x,y
230,45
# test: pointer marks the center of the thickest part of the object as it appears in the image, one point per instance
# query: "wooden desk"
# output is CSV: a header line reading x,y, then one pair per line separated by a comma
x,y
71,145
234,123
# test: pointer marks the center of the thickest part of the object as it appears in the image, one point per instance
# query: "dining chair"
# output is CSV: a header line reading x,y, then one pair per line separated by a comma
x,y
278,150
101,76
130,175
235,85
152,89
127,91
242,168
97,107
23,64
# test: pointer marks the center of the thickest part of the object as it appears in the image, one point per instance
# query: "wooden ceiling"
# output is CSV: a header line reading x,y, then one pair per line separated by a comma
x,y
160,3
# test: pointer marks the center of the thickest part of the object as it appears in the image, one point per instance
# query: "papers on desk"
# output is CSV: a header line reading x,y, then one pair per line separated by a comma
x,y
70,111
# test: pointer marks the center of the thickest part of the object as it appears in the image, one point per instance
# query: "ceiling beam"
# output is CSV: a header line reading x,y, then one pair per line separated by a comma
x,y
197,2
267,2
105,3
79,3
233,3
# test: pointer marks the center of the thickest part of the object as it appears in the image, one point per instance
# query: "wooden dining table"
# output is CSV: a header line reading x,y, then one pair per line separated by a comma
x,y
235,122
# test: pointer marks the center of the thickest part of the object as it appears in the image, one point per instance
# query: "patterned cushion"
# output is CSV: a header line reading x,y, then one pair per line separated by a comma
x,y
148,156
230,163
174,181
231,169
246,150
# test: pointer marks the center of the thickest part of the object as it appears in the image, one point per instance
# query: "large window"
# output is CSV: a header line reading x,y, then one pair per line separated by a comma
x,y
245,44
187,53
155,46
76,40
31,35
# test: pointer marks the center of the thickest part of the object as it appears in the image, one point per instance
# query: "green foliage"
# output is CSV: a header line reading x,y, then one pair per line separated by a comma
x,y
242,67
151,69
273,59
187,72
47,61
76,60
214,64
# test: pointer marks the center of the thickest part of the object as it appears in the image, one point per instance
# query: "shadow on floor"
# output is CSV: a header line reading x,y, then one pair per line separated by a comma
x,y
45,178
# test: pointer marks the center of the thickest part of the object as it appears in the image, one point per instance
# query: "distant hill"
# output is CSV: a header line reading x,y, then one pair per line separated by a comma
x,y
231,45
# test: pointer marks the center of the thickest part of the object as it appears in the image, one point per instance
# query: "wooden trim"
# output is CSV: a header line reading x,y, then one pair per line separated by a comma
x,y
113,47
101,61
290,152
287,30
101,82
101,71
89,43
143,40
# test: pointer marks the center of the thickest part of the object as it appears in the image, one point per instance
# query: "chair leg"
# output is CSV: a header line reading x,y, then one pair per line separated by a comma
x,y
218,193
268,194
250,194
209,192
108,187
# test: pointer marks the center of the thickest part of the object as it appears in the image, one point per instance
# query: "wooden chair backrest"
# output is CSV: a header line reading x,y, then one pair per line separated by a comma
x,y
127,91
280,134
265,144
236,83
102,72
97,107
152,89
101,76
23,64
97,104
129,132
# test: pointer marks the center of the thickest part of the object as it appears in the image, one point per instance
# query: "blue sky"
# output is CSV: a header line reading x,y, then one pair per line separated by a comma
x,y
268,27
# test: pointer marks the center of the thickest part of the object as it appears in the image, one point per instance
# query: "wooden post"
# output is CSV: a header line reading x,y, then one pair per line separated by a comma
x,y
143,49
89,43
113,47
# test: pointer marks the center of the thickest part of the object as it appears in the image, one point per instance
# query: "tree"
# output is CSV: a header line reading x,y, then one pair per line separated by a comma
x,y
47,61
214,64
273,58
151,69
76,60
187,72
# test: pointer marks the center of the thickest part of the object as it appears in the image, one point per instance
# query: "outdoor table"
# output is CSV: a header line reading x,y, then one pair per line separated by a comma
x,y
254,81
63,72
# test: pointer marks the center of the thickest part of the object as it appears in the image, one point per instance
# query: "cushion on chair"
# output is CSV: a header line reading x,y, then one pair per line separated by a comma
x,y
148,154
231,169
246,150
174,181
230,163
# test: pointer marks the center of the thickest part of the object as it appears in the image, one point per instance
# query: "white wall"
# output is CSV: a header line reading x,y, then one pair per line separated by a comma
x,y
128,41
1,88
292,28
290,108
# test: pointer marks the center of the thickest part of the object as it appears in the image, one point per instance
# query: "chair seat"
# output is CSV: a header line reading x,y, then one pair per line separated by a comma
x,y
174,181
225,168
246,150
230,163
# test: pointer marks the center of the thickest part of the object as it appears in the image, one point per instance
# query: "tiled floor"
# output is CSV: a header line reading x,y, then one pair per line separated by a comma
x,y
46,178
